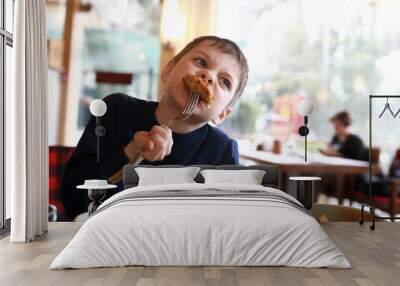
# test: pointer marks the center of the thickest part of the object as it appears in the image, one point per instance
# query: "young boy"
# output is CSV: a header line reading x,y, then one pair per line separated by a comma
x,y
134,125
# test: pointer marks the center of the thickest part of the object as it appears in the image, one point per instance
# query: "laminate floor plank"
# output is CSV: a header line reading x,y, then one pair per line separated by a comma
x,y
374,255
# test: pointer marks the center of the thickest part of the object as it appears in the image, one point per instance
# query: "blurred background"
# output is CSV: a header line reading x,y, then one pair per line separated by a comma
x,y
334,53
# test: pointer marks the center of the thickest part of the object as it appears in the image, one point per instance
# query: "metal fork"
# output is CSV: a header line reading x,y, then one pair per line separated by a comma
x,y
186,113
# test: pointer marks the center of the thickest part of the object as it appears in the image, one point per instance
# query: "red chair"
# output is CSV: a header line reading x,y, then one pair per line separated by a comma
x,y
58,159
389,202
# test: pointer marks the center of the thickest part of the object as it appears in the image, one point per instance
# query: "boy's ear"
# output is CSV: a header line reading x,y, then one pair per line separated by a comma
x,y
222,116
166,72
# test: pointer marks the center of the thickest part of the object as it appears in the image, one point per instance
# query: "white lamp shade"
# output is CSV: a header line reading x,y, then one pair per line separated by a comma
x,y
98,107
305,107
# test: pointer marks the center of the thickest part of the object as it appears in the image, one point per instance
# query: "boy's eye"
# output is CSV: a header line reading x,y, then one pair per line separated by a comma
x,y
227,83
201,62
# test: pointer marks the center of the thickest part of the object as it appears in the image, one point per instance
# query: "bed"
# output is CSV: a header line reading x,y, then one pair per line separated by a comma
x,y
201,224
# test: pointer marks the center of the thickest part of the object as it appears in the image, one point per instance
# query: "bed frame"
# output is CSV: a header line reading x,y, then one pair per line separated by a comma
x,y
270,179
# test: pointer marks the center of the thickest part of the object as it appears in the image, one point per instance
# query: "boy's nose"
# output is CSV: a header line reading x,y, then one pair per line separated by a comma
x,y
207,77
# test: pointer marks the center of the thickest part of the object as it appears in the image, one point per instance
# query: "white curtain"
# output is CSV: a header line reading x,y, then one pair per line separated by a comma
x,y
26,124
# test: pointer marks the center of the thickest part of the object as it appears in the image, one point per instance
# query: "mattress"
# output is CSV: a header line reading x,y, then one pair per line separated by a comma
x,y
201,225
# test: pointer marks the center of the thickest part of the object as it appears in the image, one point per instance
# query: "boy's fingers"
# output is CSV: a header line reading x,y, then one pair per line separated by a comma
x,y
159,144
170,140
163,131
158,140
168,131
149,145
156,129
154,156
170,144
149,156
144,142
161,155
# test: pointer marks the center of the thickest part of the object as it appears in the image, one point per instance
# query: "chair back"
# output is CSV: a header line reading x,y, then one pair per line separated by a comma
x,y
394,170
375,154
58,159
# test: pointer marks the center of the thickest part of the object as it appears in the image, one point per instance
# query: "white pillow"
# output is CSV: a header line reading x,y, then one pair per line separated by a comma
x,y
163,176
249,177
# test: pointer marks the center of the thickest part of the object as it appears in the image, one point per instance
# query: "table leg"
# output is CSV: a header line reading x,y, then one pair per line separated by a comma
x,y
340,188
284,182
352,187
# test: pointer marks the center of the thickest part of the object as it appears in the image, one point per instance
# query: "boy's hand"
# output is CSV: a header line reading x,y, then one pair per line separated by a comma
x,y
156,144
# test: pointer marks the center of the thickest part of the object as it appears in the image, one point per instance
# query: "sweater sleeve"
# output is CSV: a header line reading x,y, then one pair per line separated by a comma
x,y
83,163
231,154
235,152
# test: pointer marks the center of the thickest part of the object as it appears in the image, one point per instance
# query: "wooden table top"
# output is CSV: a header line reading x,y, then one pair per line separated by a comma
x,y
316,162
374,255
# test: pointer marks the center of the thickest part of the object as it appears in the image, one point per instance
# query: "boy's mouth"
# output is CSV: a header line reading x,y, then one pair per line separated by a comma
x,y
196,84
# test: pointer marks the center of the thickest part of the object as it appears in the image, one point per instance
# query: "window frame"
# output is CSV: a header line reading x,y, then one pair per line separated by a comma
x,y
6,39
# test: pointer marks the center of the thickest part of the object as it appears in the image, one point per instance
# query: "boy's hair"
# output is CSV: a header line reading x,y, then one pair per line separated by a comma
x,y
228,47
343,117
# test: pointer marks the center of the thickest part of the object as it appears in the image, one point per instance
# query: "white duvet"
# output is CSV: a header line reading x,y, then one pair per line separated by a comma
x,y
200,231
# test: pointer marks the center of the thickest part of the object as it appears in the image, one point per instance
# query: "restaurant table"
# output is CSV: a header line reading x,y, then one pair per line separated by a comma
x,y
317,164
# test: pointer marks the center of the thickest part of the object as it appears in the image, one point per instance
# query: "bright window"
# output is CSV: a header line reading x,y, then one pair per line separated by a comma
x,y
335,53
6,42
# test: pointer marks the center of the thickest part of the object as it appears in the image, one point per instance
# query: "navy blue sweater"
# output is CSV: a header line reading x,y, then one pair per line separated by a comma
x,y
124,117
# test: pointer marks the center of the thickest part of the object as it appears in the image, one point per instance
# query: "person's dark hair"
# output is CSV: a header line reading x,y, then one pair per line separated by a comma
x,y
226,46
343,117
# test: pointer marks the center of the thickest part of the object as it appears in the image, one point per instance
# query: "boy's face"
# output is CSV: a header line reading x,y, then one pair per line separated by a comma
x,y
220,70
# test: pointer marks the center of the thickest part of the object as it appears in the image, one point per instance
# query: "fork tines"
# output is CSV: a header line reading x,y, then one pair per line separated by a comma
x,y
194,98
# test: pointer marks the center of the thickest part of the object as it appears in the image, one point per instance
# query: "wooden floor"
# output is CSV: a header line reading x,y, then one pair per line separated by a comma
x,y
374,255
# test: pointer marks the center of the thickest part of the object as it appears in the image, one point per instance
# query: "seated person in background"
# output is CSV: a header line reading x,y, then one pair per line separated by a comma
x,y
344,144
134,125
